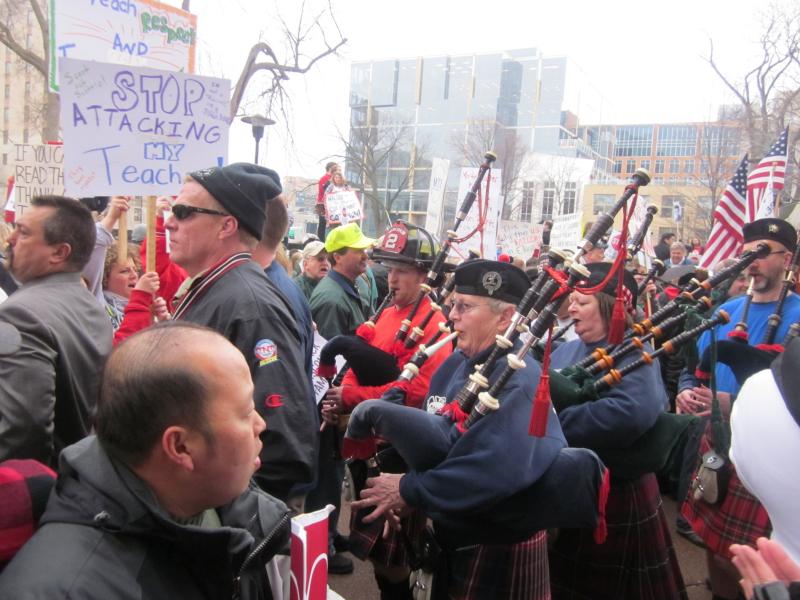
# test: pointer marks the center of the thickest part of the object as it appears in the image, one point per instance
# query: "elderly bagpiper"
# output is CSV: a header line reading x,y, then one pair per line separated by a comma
x,y
489,463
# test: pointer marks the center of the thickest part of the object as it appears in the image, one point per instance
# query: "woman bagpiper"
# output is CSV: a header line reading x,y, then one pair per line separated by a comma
x,y
637,560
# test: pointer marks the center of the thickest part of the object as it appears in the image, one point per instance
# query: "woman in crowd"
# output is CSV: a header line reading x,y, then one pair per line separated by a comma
x,y
129,298
637,560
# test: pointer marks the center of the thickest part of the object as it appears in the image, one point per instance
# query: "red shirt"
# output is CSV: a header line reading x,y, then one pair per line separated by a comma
x,y
323,183
385,330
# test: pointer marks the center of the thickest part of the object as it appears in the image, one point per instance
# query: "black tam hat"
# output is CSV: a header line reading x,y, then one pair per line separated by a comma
x,y
492,279
243,189
771,229
599,271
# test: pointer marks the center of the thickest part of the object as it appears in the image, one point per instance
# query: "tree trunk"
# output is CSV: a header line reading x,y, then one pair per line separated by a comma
x,y
50,126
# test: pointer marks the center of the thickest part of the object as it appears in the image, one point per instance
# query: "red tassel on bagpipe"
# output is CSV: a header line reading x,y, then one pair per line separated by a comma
x,y
601,529
541,401
739,336
366,331
616,330
359,449
776,348
326,371
455,412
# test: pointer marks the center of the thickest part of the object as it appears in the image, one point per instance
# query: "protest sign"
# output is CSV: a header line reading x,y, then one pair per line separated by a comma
x,y
566,231
320,383
309,555
485,242
131,130
343,207
38,171
440,167
519,239
142,33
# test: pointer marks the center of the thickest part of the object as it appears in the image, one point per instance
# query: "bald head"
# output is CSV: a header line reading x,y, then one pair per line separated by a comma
x,y
151,382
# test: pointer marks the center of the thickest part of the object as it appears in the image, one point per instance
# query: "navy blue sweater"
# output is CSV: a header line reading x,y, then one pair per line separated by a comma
x,y
494,459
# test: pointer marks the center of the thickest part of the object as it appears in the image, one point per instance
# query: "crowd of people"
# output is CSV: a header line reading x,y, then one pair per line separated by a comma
x,y
159,429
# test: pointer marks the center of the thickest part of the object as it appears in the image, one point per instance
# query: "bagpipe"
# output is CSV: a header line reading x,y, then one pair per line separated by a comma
x,y
745,359
423,440
373,366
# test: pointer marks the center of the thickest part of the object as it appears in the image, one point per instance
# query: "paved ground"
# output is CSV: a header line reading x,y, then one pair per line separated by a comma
x,y
361,585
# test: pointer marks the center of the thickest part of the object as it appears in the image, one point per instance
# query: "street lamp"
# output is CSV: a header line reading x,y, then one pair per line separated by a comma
x,y
258,123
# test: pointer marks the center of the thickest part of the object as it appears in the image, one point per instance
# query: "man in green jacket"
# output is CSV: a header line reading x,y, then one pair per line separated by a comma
x,y
341,302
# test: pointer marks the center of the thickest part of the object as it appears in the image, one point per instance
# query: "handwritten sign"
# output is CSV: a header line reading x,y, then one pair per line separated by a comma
x,y
519,239
320,383
483,242
142,33
566,231
343,207
131,130
38,170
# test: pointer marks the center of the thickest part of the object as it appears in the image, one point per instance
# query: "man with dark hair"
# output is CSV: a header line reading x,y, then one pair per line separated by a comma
x,y
217,221
662,249
159,503
48,388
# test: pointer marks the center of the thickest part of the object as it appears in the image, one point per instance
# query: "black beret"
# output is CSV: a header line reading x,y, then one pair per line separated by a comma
x,y
771,229
492,279
243,189
598,272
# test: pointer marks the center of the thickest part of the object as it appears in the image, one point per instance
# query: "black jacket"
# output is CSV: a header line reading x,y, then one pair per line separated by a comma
x,y
104,536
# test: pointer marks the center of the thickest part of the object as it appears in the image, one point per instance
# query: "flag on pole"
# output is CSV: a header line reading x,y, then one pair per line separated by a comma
x,y
766,208
10,206
768,176
729,218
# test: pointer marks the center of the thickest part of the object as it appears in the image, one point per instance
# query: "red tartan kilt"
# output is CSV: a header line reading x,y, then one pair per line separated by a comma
x,y
502,571
637,561
366,541
739,519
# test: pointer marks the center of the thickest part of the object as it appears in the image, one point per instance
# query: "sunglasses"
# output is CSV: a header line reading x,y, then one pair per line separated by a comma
x,y
183,211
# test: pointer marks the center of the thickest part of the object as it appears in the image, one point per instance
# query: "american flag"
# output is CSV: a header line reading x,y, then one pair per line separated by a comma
x,y
767,177
729,218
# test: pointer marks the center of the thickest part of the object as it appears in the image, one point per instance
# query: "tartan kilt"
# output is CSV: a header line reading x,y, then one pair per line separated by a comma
x,y
739,519
500,571
366,541
637,561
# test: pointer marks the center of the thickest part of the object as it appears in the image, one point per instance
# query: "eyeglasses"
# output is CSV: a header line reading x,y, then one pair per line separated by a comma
x,y
184,211
463,307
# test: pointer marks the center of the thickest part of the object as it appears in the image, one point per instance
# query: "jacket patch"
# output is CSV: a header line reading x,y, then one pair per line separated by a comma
x,y
273,401
435,403
266,352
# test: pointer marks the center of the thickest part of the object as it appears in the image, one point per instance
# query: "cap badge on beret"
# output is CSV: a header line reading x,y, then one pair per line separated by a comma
x,y
205,172
772,228
491,281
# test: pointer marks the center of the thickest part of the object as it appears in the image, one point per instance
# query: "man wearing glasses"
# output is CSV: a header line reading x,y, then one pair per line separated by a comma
x,y
216,222
739,518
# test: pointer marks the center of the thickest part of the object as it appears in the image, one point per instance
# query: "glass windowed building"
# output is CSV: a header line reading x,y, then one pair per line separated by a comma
x,y
405,112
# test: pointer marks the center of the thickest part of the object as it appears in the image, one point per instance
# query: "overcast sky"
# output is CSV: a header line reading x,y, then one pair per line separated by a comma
x,y
645,58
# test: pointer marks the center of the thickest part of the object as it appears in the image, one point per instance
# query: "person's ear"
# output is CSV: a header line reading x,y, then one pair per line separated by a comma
x,y
61,253
181,446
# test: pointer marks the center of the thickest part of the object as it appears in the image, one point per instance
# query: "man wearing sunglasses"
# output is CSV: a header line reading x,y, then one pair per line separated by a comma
x,y
739,518
217,221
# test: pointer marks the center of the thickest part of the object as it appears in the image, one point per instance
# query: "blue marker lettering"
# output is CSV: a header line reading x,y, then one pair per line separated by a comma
x,y
105,159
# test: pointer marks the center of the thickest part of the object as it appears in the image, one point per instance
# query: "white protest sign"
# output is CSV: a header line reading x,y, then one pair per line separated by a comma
x,y
38,171
519,239
484,243
343,207
440,167
143,33
137,131
320,383
566,231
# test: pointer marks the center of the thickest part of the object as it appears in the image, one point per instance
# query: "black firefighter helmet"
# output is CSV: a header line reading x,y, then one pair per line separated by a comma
x,y
407,244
